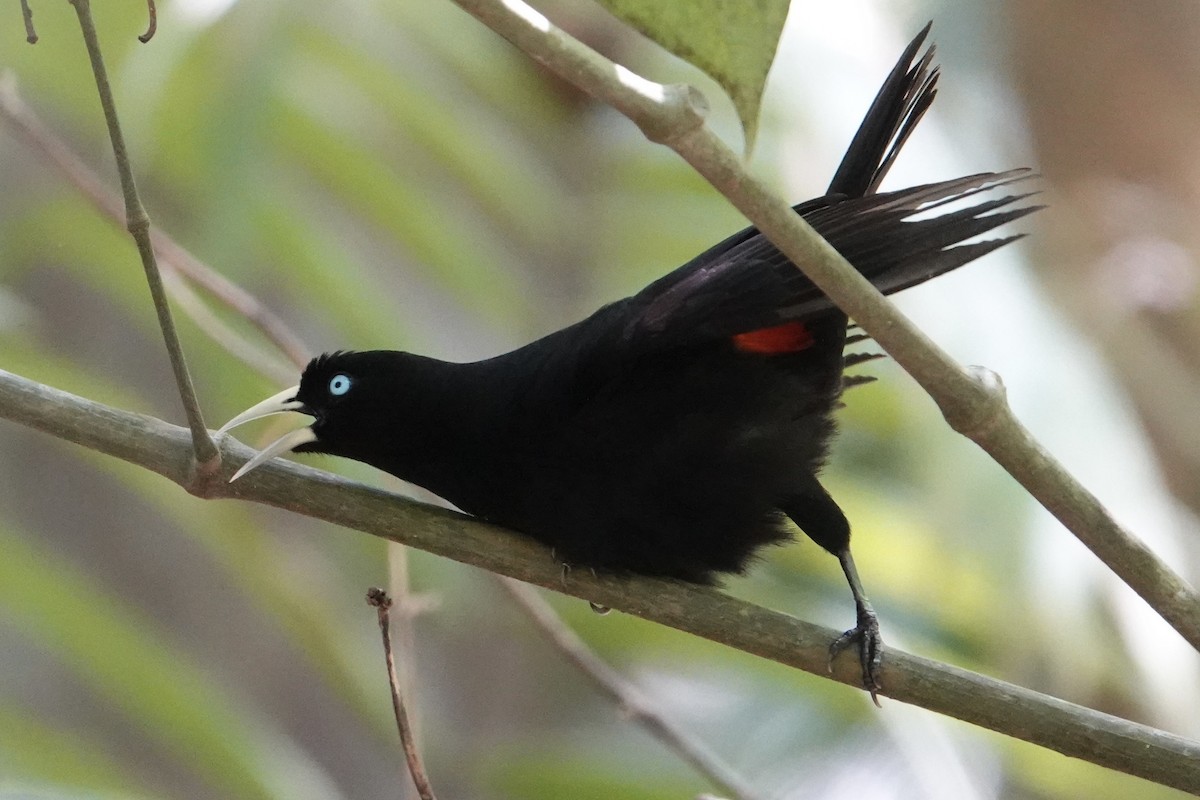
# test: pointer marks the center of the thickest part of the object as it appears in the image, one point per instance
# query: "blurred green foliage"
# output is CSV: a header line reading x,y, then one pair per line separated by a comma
x,y
394,175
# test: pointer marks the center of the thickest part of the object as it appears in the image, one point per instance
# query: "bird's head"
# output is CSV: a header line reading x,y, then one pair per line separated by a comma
x,y
345,395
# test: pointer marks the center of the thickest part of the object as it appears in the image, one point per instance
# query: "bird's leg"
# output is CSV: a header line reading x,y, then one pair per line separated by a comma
x,y
865,633
818,515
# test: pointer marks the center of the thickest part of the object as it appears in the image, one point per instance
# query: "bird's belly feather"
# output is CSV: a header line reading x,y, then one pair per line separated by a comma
x,y
638,485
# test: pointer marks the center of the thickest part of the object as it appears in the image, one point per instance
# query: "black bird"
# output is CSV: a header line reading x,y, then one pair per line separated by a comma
x,y
669,433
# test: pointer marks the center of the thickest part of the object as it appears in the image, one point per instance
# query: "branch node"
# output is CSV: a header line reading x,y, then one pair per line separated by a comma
x,y
378,599
153,25
680,109
204,477
137,221
197,481
980,410
27,13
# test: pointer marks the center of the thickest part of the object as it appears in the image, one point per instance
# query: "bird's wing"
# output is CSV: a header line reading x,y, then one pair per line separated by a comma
x,y
745,270
745,283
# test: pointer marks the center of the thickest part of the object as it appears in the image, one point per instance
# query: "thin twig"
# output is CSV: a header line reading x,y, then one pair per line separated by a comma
x,y
137,222
250,354
235,298
408,606
152,27
972,401
383,604
27,14
631,700
1047,721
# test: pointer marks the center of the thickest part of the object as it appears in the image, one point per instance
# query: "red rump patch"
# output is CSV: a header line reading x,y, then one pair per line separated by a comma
x,y
790,337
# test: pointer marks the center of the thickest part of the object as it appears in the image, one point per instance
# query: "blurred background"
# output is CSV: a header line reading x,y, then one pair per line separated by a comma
x,y
391,174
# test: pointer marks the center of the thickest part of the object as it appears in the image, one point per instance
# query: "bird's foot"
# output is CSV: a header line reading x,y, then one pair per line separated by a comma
x,y
870,650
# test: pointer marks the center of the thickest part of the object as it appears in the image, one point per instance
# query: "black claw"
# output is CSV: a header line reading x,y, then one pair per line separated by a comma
x,y
870,650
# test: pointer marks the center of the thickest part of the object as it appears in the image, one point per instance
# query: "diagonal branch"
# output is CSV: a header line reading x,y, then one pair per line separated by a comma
x,y
163,448
972,400
215,328
137,222
633,703
173,256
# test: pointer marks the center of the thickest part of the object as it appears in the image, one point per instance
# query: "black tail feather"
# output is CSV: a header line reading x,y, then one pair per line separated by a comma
x,y
880,237
854,359
895,239
850,381
905,96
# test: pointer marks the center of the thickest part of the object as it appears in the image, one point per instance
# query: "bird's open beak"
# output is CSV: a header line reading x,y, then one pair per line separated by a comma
x,y
277,404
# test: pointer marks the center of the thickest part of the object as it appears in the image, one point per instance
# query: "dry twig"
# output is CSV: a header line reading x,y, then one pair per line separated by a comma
x,y
137,222
383,604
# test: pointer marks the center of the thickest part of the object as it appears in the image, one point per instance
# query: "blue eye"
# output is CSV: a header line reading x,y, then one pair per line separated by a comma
x,y
339,385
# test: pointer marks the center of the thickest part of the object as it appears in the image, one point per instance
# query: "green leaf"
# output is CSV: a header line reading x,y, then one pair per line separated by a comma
x,y
733,41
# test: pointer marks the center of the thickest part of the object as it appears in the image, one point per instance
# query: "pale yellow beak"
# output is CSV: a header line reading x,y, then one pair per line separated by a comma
x,y
277,404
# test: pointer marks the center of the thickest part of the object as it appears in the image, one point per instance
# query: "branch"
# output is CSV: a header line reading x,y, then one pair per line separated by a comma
x,y
407,606
379,599
137,222
174,257
250,354
631,700
152,25
27,15
166,449
972,400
